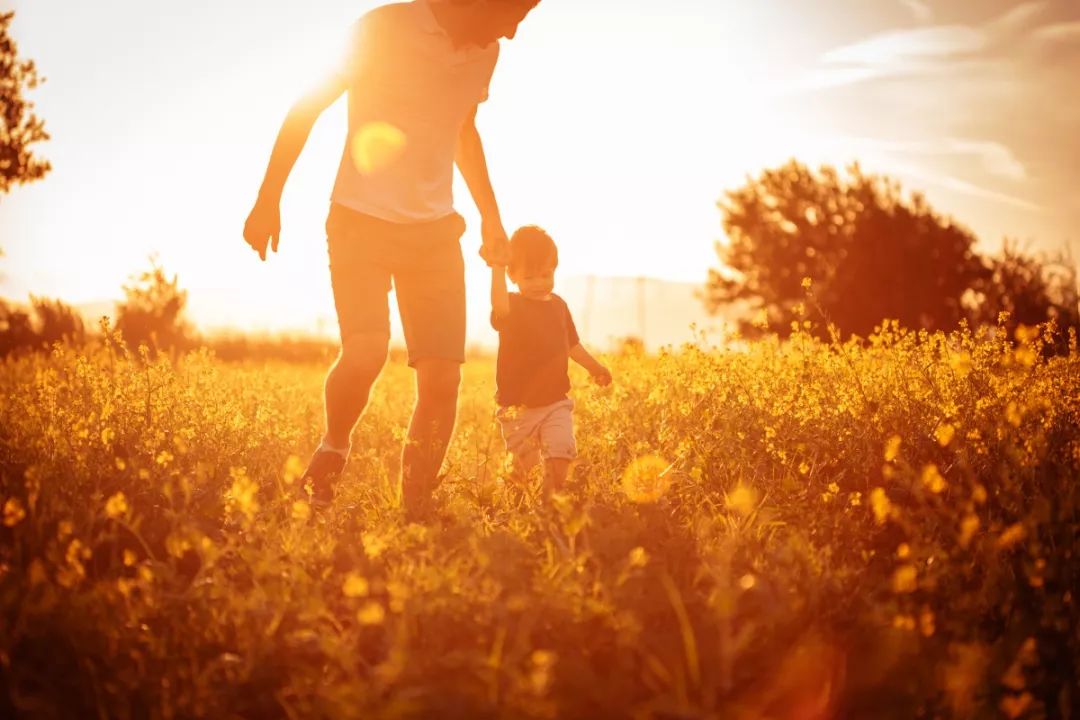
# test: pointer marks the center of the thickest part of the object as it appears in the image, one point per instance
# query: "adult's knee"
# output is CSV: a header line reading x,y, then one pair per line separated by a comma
x,y
437,381
363,354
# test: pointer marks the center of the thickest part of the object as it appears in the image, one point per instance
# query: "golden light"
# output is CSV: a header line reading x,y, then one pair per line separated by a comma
x,y
376,145
646,479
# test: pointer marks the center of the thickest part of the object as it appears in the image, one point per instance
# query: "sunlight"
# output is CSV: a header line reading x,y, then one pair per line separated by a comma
x,y
376,145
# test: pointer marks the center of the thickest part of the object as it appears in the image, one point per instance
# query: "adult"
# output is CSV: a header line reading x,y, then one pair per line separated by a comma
x,y
415,74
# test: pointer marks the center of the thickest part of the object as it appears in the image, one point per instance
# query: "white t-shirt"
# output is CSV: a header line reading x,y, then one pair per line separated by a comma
x,y
409,92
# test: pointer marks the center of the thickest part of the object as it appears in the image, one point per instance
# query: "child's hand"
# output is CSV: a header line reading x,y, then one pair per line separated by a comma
x,y
601,375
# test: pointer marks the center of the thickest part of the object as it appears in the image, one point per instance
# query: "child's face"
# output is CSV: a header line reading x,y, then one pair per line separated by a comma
x,y
535,282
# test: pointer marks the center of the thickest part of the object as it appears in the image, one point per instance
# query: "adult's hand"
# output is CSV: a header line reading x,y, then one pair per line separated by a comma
x,y
495,249
263,227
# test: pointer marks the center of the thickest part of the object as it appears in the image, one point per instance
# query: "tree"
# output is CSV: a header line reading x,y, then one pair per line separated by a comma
x,y
46,322
153,310
19,127
1026,289
870,252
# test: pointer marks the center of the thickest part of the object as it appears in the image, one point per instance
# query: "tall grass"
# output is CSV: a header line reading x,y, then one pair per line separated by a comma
x,y
803,529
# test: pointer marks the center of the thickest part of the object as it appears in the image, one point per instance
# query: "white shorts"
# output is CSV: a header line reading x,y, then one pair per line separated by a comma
x,y
549,429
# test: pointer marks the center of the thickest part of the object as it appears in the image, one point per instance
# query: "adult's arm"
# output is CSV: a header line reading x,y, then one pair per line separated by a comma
x,y
263,224
472,162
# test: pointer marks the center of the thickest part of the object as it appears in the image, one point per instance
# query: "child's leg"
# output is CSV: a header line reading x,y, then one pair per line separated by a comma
x,y
524,459
558,446
519,431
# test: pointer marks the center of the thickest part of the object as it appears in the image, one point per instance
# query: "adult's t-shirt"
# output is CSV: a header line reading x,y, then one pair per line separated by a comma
x,y
410,90
535,338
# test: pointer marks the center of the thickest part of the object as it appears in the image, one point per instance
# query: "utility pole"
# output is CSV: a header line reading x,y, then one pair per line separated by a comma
x,y
590,281
641,308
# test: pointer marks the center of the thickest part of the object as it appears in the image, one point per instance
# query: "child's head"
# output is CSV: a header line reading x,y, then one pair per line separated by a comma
x,y
533,259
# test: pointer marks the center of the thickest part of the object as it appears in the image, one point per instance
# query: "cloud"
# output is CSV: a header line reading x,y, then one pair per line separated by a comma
x,y
1058,32
902,45
919,9
910,158
1016,20
926,50
996,158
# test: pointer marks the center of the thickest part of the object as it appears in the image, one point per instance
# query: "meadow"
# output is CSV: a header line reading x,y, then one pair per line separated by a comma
x,y
802,529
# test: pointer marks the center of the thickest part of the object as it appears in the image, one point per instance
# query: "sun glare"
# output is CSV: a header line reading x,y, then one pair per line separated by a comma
x,y
376,145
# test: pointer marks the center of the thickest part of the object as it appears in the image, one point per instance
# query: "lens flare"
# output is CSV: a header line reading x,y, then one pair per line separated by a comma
x,y
375,146
647,479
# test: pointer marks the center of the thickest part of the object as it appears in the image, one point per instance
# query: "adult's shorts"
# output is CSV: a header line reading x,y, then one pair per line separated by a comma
x,y
422,262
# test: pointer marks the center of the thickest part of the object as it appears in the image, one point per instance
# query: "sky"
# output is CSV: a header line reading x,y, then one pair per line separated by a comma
x,y
615,125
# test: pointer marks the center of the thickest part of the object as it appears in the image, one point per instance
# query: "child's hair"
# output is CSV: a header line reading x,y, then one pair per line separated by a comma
x,y
531,247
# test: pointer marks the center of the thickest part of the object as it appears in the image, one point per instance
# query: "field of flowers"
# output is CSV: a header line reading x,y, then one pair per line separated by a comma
x,y
800,530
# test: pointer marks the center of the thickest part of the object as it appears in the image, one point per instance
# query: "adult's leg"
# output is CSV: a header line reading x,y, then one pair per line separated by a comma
x,y
348,384
360,278
432,425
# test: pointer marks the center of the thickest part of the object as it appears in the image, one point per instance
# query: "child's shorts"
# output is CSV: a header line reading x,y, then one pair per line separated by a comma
x,y
549,429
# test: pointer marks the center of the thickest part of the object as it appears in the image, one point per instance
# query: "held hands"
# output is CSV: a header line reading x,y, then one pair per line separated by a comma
x,y
495,249
263,227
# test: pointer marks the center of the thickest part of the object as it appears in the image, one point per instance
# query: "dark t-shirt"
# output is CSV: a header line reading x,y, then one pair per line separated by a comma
x,y
534,347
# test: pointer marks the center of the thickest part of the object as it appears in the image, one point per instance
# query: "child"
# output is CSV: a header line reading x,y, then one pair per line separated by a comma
x,y
536,338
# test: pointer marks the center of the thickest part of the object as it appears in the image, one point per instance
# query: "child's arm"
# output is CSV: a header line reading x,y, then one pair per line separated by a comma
x,y
500,297
600,374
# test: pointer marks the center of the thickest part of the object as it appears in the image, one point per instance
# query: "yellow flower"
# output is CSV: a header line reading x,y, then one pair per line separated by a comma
x,y
892,448
646,479
301,510
293,469
880,505
638,557
1025,334
944,434
742,500
926,622
806,283
968,527
14,512
904,622
932,479
355,586
960,363
116,506
374,544
978,494
1011,536
905,579
241,494
1013,415
372,613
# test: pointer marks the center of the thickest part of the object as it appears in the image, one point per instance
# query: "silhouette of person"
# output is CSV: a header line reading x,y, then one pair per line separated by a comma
x,y
415,74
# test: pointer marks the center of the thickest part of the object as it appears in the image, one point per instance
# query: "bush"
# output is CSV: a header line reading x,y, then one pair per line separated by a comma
x,y
45,323
152,313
